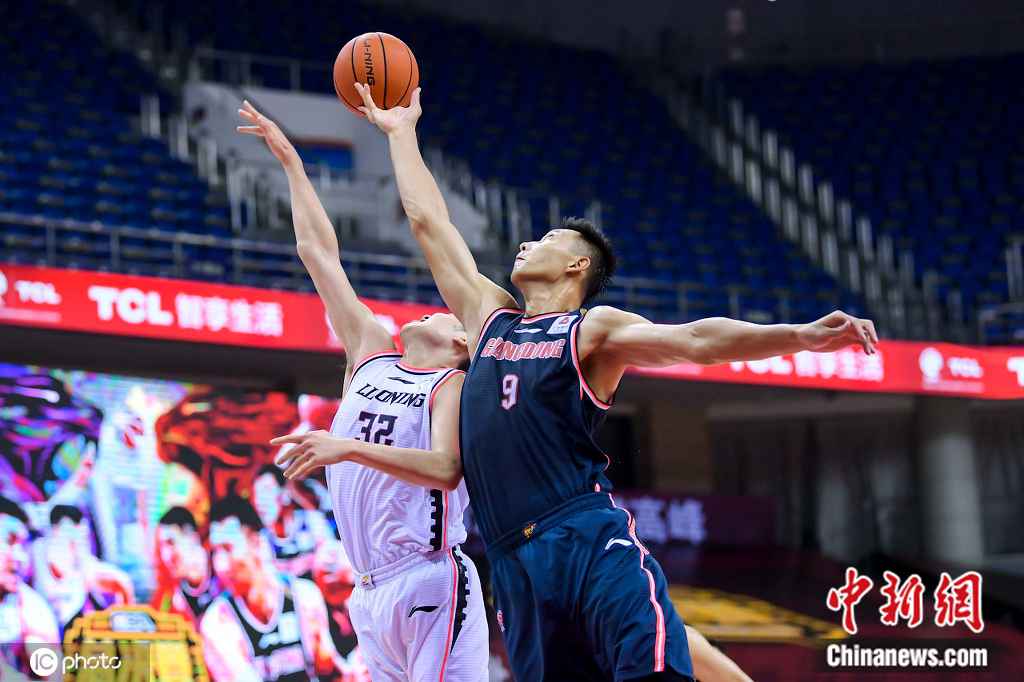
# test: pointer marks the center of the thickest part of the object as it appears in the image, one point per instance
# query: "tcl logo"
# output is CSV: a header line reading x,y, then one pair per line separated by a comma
x,y
966,368
42,293
130,305
932,362
1016,365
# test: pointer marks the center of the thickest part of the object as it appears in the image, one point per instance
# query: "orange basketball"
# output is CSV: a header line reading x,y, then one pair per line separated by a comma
x,y
378,60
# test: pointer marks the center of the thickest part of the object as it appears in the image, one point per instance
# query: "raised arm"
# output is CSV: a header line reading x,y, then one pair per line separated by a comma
x,y
611,340
439,467
467,293
317,244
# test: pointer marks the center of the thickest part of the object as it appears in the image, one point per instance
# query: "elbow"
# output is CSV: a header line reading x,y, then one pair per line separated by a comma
x,y
452,478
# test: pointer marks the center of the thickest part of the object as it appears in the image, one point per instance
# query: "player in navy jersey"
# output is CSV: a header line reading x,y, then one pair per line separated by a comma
x,y
580,597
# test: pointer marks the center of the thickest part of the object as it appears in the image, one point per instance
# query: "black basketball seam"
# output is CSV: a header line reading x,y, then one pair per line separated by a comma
x,y
355,79
384,55
411,58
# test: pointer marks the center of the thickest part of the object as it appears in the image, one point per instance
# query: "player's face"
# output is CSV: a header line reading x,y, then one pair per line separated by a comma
x,y
235,553
13,558
269,499
68,545
182,552
547,259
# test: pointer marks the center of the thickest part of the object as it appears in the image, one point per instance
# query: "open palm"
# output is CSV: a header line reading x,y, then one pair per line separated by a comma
x,y
261,126
393,119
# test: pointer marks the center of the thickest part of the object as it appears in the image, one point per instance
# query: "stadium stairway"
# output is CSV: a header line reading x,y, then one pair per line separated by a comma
x,y
930,152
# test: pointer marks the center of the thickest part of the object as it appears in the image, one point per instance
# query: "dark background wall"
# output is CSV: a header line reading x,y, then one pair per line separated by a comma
x,y
790,30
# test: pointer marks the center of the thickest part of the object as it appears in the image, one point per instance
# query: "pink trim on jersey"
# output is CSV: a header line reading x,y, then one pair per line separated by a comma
x,y
451,620
425,370
660,635
373,356
490,319
584,386
451,373
543,316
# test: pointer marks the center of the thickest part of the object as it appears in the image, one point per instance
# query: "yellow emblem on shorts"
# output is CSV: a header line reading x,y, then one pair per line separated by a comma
x,y
528,531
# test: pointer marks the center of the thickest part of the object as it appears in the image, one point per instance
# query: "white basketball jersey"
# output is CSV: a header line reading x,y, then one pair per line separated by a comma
x,y
382,519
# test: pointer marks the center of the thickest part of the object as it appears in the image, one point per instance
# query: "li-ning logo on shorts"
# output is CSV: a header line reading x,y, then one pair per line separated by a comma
x,y
528,531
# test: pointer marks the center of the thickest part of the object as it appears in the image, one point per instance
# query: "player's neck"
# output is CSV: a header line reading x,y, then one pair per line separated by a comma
x,y
541,298
424,358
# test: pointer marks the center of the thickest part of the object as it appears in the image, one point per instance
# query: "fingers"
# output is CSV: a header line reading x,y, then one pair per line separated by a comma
x,y
288,456
290,438
364,92
297,463
306,469
415,101
250,130
871,330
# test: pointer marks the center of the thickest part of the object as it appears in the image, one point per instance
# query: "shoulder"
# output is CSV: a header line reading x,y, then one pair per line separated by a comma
x,y
605,318
218,616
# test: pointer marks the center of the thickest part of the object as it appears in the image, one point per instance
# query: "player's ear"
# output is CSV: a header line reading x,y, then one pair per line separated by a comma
x,y
579,264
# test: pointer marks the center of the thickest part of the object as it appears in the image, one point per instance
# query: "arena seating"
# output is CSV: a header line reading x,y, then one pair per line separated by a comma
x,y
552,124
932,153
68,149
551,120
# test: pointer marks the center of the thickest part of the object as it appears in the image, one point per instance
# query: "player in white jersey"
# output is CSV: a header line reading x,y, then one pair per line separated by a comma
x,y
394,472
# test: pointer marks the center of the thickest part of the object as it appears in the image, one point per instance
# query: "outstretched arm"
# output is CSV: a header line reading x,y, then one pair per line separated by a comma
x,y
318,248
709,663
470,295
439,467
611,340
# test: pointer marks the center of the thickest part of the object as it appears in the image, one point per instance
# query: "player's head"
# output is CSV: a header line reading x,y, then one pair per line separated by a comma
x,y
439,335
13,541
237,545
179,547
69,534
270,494
576,251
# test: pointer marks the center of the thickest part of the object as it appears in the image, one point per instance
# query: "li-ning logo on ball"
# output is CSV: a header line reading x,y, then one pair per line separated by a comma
x,y
368,61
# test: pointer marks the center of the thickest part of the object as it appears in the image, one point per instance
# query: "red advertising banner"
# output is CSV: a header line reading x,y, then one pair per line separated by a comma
x,y
203,312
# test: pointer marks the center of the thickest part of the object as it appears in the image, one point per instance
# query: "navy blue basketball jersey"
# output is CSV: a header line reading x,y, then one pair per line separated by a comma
x,y
528,422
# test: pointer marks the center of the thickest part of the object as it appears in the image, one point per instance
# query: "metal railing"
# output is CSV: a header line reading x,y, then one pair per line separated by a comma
x,y
73,243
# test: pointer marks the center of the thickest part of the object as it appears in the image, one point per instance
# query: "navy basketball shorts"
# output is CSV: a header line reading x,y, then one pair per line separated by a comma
x,y
582,599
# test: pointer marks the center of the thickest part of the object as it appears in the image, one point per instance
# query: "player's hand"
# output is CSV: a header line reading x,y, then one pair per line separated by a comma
x,y
261,126
309,452
394,119
836,331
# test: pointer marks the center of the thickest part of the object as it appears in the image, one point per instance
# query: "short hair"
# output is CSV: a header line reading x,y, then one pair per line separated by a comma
x,y
274,471
602,254
179,516
238,507
11,508
65,511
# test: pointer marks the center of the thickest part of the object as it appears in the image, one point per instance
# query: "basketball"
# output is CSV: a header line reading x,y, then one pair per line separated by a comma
x,y
378,60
